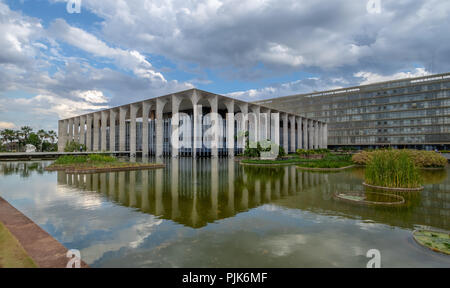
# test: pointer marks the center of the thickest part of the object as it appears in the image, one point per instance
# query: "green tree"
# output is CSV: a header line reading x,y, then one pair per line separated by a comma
x,y
74,147
25,132
52,136
34,139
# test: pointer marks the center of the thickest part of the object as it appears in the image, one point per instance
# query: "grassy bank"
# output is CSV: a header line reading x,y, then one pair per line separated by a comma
x,y
96,163
330,161
12,255
289,161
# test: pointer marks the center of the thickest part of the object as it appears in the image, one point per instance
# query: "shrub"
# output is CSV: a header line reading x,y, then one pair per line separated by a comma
x,y
74,147
69,159
256,152
421,159
393,169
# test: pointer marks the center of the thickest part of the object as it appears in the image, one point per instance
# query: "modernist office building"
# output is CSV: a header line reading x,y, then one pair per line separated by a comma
x,y
408,113
208,125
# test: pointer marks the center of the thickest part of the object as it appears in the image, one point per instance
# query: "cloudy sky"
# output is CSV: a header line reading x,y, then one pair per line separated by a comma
x,y
55,64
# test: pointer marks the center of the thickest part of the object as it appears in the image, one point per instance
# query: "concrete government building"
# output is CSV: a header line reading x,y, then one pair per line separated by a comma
x,y
208,125
407,113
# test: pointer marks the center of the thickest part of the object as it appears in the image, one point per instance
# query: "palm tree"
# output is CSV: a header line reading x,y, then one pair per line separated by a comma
x,y
42,134
8,136
52,135
26,131
20,138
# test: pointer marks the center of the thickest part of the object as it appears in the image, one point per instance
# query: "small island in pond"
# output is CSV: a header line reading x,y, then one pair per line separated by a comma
x,y
97,164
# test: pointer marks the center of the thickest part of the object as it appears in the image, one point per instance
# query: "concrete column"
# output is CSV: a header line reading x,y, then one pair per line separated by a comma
x,y
145,112
321,140
255,133
112,130
275,123
160,103
325,135
230,127
104,126
122,128
305,134
83,130
311,135
197,111
244,112
71,130
285,133
61,135
267,120
214,102
76,125
292,121
133,114
89,132
96,131
175,137
299,132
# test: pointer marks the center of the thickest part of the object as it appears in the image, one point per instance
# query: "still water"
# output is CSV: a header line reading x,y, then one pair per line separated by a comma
x,y
216,213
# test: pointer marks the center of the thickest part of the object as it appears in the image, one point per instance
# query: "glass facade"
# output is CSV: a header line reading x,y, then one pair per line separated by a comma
x,y
413,113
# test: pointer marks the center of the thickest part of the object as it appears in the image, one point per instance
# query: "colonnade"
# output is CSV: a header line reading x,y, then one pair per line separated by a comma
x,y
116,129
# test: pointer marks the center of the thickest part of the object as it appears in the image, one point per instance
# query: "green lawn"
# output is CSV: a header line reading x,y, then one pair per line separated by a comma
x,y
330,161
95,162
12,254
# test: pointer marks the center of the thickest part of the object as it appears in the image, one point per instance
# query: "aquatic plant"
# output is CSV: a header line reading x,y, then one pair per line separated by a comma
x,y
393,169
422,159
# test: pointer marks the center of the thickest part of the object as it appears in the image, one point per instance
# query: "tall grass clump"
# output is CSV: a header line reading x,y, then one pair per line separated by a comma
x,y
421,159
392,169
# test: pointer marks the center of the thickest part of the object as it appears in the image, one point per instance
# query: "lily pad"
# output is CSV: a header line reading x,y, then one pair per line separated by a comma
x,y
352,197
371,198
434,240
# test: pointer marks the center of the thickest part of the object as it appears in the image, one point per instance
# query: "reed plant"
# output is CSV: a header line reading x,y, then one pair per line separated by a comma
x,y
393,169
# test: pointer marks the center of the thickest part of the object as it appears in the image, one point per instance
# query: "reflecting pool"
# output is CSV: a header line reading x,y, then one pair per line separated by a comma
x,y
216,213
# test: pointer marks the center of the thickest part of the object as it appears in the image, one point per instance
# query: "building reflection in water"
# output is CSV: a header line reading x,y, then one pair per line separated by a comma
x,y
194,192
197,192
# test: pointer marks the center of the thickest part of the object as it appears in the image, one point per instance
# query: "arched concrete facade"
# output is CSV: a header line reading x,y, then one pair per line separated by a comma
x,y
216,126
